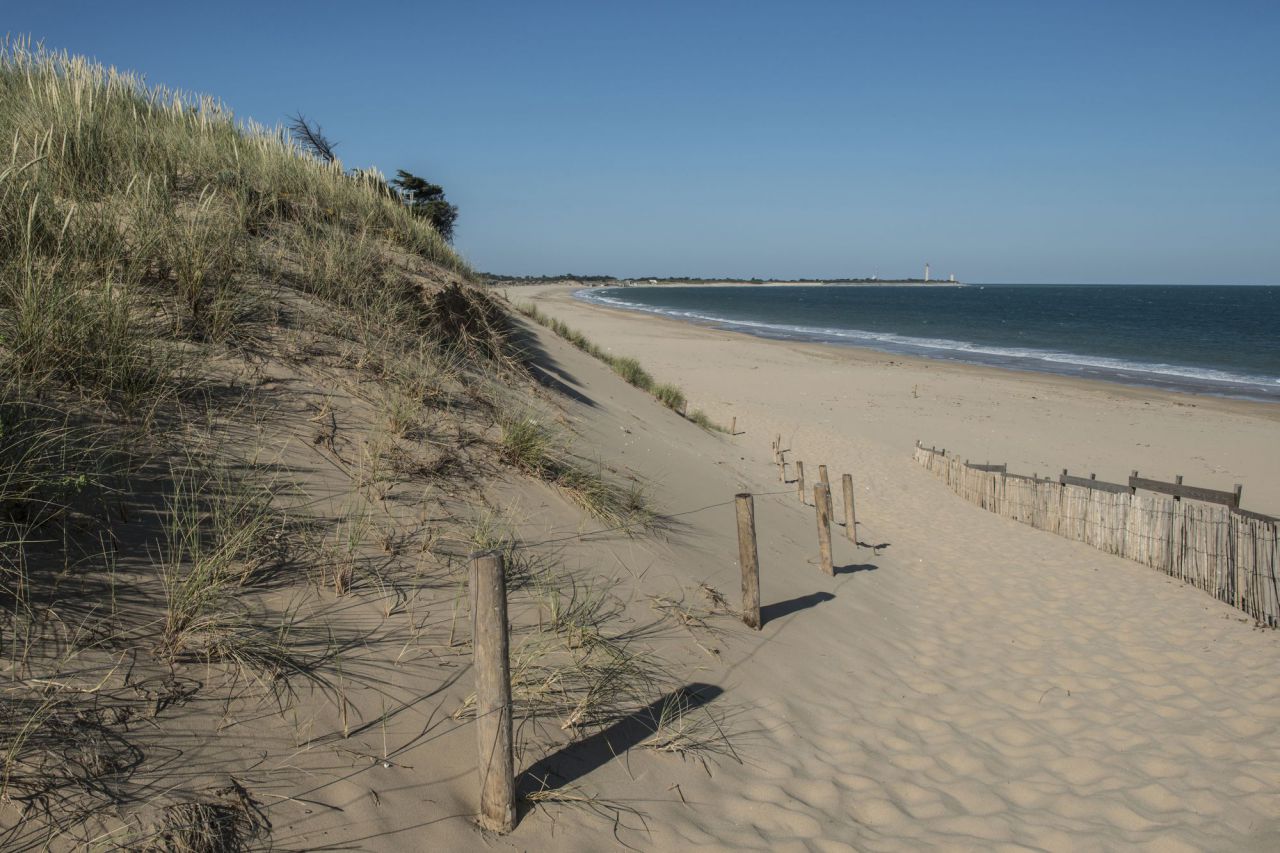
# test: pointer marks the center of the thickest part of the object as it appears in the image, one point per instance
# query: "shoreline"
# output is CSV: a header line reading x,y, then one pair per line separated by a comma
x,y
1037,422
1020,363
626,283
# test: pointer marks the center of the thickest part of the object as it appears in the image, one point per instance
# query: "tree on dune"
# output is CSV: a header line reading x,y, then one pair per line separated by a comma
x,y
427,200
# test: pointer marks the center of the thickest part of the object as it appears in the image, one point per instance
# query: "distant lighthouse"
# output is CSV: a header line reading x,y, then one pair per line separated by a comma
x,y
926,271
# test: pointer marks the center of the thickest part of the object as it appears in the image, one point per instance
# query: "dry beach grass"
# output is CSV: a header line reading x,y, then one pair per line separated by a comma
x,y
253,416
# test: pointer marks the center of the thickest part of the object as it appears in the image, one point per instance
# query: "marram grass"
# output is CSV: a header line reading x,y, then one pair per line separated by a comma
x,y
628,368
82,134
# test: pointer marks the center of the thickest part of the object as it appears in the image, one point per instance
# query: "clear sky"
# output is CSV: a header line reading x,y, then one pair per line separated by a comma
x,y
1026,141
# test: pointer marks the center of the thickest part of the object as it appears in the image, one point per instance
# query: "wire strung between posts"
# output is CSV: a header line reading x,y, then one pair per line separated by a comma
x,y
631,524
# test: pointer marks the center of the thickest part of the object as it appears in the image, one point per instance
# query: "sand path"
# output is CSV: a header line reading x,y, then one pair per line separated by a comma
x,y
974,684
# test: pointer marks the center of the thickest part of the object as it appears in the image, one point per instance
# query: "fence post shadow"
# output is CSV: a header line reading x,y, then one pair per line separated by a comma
x,y
854,568
575,760
778,609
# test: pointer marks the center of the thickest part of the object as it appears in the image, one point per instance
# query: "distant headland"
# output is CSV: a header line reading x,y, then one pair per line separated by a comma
x,y
496,280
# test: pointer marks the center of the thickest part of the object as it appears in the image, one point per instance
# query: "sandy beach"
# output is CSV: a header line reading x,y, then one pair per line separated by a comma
x,y
969,683
819,396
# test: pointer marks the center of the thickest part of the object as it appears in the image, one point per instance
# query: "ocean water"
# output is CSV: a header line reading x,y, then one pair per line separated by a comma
x,y
1221,340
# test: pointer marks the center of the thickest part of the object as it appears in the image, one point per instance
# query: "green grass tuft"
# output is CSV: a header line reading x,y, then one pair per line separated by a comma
x,y
532,448
670,396
631,371
701,418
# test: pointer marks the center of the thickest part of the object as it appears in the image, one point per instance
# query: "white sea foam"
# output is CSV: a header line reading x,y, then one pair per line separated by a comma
x,y
1169,375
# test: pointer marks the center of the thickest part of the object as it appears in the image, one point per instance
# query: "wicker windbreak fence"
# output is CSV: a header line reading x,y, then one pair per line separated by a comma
x,y
1229,553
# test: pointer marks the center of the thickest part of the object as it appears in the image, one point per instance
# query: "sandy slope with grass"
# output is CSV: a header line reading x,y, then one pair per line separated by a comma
x,y
971,682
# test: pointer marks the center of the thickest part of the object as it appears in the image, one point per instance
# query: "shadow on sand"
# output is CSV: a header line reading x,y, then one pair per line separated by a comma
x,y
576,760
778,609
543,366
854,568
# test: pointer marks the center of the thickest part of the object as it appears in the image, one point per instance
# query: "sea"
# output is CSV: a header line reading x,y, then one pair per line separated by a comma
x,y
1221,340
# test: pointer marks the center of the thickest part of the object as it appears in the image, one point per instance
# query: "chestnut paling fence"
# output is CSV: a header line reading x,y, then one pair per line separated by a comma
x,y
1199,536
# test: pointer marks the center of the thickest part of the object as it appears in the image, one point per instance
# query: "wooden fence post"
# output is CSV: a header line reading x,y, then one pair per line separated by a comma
x,y
822,500
800,480
733,426
749,560
850,519
822,476
489,639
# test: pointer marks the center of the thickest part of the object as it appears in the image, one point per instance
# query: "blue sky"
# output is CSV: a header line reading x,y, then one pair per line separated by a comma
x,y
1028,141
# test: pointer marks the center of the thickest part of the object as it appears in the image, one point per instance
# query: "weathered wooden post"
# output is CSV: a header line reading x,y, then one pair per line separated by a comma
x,y
850,519
1238,563
749,560
822,476
800,480
489,641
821,501
733,426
